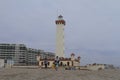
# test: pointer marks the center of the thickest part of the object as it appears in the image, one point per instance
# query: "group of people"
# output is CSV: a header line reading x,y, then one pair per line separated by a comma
x,y
55,63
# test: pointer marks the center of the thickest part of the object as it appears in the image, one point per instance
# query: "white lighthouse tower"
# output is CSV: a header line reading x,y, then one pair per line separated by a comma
x,y
60,22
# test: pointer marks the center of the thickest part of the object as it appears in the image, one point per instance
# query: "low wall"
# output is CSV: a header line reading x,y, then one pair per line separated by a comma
x,y
2,63
25,67
95,67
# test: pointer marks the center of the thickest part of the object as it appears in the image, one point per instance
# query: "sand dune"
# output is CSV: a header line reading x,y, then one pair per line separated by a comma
x,y
50,74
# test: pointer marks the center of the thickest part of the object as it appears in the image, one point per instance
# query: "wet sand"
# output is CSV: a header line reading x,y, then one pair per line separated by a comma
x,y
61,74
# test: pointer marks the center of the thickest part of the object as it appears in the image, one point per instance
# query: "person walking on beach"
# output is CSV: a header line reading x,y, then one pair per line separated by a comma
x,y
56,63
45,63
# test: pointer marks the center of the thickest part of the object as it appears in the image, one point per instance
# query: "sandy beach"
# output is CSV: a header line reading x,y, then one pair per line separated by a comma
x,y
51,74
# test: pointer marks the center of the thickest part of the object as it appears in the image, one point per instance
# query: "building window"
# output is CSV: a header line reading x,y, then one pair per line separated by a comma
x,y
61,63
41,63
68,63
48,63
72,63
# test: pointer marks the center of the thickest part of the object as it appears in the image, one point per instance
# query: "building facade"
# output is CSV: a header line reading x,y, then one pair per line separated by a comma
x,y
31,56
69,62
19,54
15,52
33,53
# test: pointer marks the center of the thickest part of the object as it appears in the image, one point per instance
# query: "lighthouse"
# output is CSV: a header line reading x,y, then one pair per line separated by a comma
x,y
60,50
60,24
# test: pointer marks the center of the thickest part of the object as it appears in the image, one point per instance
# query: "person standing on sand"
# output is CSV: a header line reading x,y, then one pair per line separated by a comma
x,y
56,63
45,63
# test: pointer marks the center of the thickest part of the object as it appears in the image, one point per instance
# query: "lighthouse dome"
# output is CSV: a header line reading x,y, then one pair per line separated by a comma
x,y
60,20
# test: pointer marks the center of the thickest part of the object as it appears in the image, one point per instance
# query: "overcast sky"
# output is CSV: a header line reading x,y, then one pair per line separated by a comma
x,y
92,28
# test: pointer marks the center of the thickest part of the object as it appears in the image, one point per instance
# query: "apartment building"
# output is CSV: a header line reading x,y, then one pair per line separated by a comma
x,y
19,54
33,53
13,52
31,56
